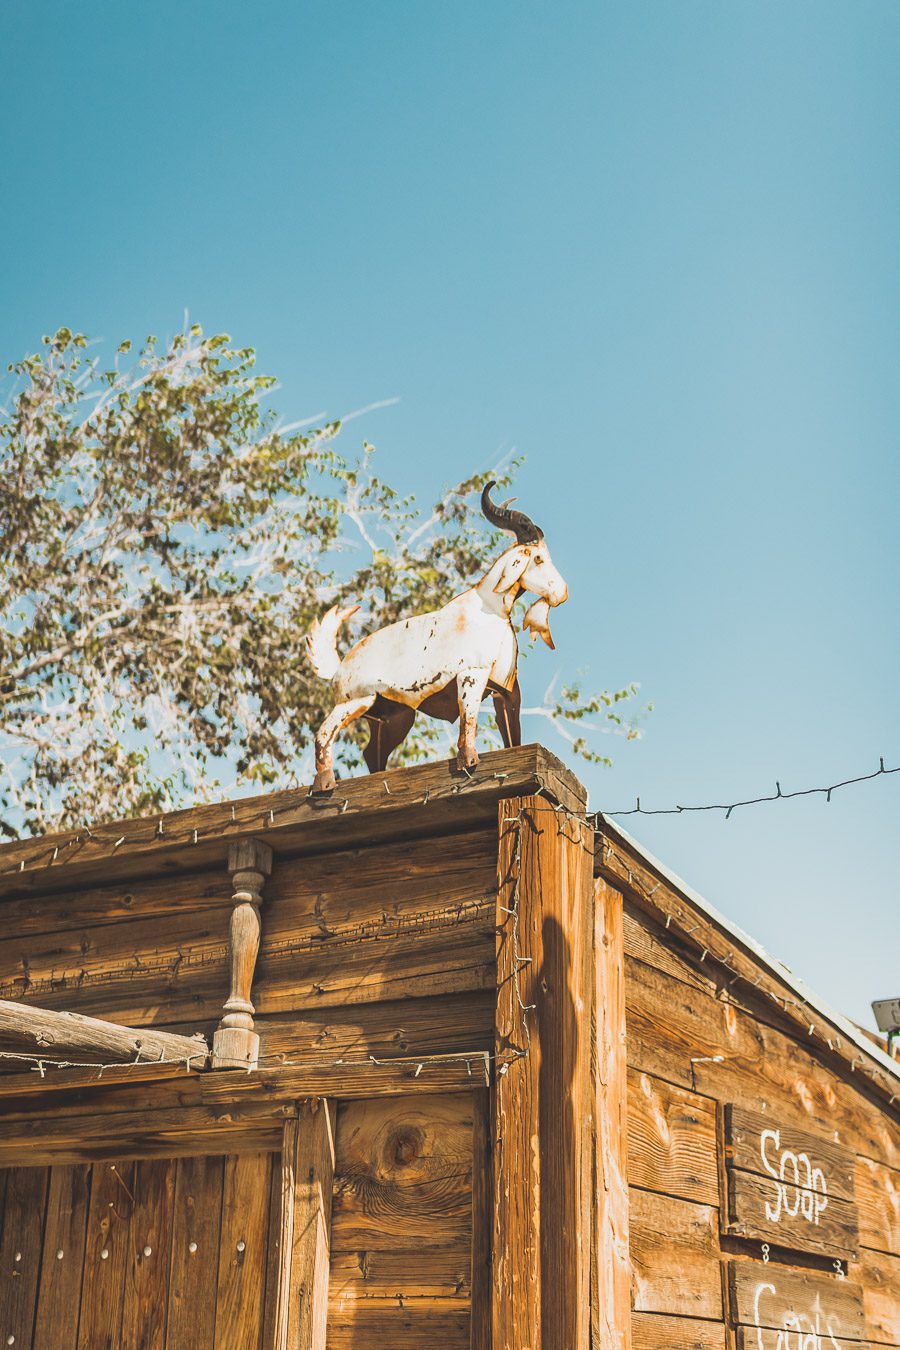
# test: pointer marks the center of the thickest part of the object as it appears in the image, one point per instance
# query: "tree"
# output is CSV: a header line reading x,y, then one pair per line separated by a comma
x,y
165,545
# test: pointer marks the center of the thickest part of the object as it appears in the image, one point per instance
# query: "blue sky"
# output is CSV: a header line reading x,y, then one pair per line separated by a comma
x,y
651,244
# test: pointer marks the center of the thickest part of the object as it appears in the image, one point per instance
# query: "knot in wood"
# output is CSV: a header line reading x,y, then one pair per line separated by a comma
x,y
403,1145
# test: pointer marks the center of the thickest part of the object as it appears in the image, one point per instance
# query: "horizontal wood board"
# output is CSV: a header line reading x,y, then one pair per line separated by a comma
x,y
368,925
653,1331
675,1257
788,1187
771,1297
426,800
742,975
680,1033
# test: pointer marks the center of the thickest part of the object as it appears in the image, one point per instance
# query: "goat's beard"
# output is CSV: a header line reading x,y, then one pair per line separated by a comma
x,y
537,622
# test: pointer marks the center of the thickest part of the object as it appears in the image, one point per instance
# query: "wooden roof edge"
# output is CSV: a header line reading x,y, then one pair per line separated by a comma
x,y
655,886
431,797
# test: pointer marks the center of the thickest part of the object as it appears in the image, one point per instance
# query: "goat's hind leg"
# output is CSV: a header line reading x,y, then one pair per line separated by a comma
x,y
390,724
507,704
340,717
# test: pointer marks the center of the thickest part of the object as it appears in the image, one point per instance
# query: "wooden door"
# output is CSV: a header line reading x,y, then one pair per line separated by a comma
x,y
158,1254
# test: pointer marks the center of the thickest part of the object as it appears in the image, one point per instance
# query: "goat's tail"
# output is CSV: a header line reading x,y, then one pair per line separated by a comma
x,y
321,641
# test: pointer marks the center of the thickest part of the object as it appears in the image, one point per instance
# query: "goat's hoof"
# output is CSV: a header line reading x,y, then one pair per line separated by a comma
x,y
467,760
324,781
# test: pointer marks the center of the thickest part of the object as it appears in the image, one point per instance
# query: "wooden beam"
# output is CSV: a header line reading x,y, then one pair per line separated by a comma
x,y
77,1092
43,1029
310,1244
251,1127
542,1107
427,799
610,1265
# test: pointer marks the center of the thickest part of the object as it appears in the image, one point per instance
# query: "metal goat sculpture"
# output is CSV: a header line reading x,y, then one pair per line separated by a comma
x,y
443,663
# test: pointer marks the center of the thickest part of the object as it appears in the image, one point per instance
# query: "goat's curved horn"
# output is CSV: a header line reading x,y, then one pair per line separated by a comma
x,y
516,522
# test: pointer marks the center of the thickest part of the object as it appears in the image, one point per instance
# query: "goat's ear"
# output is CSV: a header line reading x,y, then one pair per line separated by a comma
x,y
512,569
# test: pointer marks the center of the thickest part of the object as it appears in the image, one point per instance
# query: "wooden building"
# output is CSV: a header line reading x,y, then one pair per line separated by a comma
x,y
494,1078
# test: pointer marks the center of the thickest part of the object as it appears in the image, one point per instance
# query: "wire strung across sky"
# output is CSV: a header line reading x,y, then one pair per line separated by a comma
x,y
775,796
469,779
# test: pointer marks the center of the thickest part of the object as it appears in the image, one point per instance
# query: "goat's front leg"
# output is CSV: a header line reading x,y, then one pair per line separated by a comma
x,y
470,687
340,716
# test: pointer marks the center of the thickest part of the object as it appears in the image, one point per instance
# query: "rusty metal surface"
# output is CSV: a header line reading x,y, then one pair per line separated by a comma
x,y
445,662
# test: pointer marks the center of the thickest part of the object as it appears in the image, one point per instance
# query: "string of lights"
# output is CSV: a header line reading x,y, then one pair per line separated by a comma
x,y
255,818
519,959
417,1063
681,922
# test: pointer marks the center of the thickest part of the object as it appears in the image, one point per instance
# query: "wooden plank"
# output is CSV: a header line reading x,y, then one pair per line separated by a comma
x,y
196,1220
107,1253
145,1302
610,1265
686,1037
291,822
789,1216
878,1201
281,1241
223,1089
411,1026
649,942
747,1338
778,1299
450,955
377,1326
623,865
650,1331
20,1251
482,1217
675,1257
671,1140
115,960
541,1265
89,906
879,1276
60,1079
59,1293
311,1237
339,892
243,1251
144,1134
403,1175
64,1033
763,1144
432,1273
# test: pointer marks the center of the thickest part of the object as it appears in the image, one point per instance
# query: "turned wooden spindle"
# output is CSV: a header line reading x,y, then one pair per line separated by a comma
x,y
235,1043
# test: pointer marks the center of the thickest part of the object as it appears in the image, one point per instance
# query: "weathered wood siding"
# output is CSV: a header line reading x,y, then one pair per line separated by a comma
x,y
348,939
695,1045
358,1191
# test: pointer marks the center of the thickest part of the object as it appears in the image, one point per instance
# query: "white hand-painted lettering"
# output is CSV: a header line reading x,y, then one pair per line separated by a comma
x,y
800,1188
799,1331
